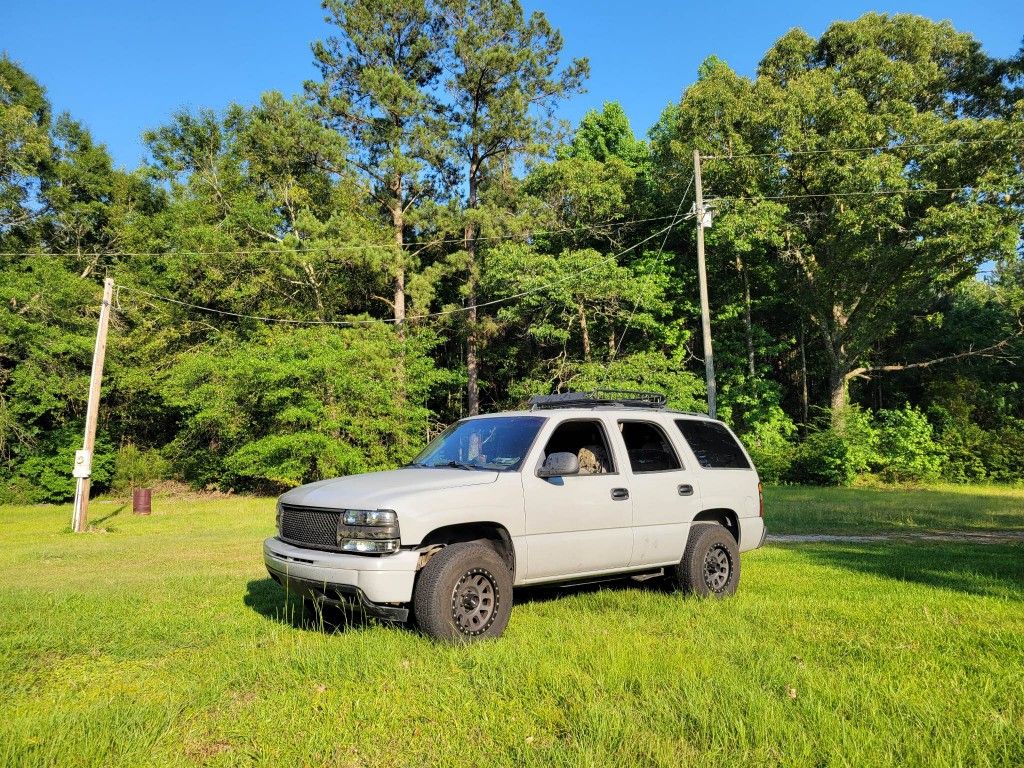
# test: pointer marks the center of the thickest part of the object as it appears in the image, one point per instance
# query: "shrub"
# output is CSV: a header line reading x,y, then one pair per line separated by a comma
x,y
136,467
837,452
822,459
769,442
1003,452
907,447
857,430
47,474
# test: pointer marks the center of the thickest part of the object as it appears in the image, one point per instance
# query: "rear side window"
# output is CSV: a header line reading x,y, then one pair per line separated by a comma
x,y
648,447
713,445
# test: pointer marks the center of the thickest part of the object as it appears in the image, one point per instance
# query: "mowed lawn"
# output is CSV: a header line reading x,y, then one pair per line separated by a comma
x,y
160,641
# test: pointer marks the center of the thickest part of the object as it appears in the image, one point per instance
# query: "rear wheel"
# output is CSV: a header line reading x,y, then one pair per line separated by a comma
x,y
464,593
711,563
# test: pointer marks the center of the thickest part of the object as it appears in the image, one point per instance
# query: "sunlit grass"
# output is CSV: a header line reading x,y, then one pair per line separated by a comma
x,y
160,641
869,510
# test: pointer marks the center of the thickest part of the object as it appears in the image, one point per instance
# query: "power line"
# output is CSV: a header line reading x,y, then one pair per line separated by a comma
x,y
636,304
865,193
882,148
284,249
424,316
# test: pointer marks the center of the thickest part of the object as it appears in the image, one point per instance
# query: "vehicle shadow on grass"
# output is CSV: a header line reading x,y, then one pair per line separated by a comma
x,y
267,598
995,570
543,593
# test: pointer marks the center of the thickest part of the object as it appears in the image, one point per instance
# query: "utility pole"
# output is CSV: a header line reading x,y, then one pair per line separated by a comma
x,y
705,311
83,458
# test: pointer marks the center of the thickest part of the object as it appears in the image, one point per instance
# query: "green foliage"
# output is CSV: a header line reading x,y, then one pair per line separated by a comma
x,y
823,459
46,474
605,135
136,467
770,443
906,446
649,371
297,405
838,450
425,167
1003,452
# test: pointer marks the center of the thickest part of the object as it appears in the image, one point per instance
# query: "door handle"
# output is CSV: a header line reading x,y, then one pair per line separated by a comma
x,y
686,490
620,493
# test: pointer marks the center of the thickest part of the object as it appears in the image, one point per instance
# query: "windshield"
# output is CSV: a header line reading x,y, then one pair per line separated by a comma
x,y
498,443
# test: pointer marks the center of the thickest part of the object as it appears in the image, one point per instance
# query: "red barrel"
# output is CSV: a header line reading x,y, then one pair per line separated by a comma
x,y
142,501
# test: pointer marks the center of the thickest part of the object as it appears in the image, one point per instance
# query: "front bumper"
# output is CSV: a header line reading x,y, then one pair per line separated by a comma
x,y
372,579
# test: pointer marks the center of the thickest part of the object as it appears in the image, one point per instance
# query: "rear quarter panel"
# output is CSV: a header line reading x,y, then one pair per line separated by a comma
x,y
735,489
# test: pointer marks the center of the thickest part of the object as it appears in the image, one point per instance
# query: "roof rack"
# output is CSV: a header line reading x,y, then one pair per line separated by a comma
x,y
620,398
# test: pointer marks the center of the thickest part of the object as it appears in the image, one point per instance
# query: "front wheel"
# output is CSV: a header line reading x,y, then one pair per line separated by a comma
x,y
711,563
464,593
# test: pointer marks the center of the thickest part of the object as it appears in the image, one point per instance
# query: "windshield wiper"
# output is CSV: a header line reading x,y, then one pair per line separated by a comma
x,y
458,465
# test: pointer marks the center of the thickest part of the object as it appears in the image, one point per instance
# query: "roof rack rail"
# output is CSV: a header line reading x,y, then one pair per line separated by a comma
x,y
621,398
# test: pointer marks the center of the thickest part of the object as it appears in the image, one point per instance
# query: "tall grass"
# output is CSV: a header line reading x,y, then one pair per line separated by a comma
x,y
160,641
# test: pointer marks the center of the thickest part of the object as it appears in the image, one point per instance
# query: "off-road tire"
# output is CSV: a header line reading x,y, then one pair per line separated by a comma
x,y
710,548
463,593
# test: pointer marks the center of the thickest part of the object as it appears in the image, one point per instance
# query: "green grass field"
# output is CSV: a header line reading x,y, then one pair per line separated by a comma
x,y
160,641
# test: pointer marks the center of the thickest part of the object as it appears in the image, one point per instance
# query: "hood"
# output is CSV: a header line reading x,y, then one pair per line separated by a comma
x,y
381,490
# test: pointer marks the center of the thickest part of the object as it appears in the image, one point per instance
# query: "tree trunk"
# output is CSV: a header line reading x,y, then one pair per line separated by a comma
x,y
472,359
398,224
804,400
472,362
586,333
838,386
747,324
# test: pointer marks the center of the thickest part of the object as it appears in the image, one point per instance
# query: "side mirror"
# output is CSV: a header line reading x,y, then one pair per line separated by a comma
x,y
558,464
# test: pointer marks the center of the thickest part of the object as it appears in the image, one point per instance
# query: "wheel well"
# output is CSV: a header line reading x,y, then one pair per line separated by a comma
x,y
726,517
496,534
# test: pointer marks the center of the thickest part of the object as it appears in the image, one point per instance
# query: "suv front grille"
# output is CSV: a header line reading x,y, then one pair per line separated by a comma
x,y
310,526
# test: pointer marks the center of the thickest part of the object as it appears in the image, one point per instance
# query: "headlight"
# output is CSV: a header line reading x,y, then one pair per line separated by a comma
x,y
368,531
277,517
370,517
370,546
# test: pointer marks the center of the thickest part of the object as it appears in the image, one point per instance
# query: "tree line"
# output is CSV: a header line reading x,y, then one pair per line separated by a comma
x,y
317,283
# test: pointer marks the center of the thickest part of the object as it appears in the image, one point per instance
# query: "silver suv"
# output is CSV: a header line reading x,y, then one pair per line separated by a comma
x,y
581,486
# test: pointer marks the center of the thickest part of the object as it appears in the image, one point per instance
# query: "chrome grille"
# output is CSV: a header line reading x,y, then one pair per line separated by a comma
x,y
310,526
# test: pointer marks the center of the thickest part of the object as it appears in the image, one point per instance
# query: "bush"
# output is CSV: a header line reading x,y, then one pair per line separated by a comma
x,y
769,442
838,452
135,467
906,446
47,474
1003,452
822,459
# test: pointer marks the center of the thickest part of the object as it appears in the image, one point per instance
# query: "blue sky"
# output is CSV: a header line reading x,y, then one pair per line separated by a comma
x,y
122,67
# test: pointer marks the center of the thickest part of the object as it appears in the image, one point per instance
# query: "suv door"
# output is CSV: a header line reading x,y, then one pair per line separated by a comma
x,y
577,524
665,493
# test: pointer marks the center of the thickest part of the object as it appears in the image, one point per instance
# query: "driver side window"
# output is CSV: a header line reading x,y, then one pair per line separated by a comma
x,y
586,440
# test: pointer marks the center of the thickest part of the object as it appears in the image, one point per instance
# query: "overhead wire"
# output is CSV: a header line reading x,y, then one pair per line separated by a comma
x,y
284,248
860,193
879,148
422,316
636,304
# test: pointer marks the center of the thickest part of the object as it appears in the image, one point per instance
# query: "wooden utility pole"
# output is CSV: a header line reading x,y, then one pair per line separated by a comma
x,y
705,311
83,458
